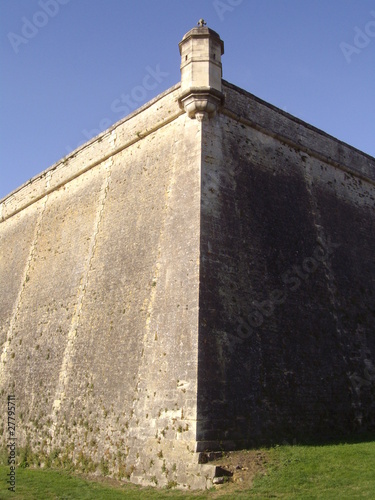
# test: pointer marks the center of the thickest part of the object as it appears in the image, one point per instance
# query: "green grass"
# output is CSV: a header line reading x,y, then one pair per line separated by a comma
x,y
343,471
48,484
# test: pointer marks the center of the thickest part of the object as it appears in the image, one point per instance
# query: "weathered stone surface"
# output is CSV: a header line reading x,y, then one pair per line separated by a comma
x,y
287,291
175,287
99,328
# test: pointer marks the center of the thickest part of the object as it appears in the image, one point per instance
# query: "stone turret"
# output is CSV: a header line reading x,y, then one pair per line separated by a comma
x,y
201,72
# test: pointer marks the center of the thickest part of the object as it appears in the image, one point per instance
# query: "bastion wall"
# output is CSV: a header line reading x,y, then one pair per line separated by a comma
x,y
99,276
287,287
178,286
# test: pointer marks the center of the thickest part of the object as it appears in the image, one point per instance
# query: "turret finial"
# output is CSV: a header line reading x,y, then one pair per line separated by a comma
x,y
202,23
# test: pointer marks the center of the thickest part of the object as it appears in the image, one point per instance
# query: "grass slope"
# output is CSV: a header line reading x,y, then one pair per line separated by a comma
x,y
319,472
343,471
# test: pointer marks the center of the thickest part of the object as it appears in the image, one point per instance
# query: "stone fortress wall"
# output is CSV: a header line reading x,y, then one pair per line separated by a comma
x,y
100,280
188,282
287,297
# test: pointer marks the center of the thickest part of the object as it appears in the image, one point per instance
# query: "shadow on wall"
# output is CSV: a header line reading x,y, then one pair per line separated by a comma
x,y
287,311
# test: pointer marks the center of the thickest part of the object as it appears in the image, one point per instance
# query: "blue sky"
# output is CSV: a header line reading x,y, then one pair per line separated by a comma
x,y
71,68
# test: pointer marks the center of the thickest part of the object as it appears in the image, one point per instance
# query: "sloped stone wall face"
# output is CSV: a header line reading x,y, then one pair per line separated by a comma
x,y
99,319
287,294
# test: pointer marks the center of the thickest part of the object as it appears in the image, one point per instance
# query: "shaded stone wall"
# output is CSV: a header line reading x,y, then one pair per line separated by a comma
x,y
287,294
